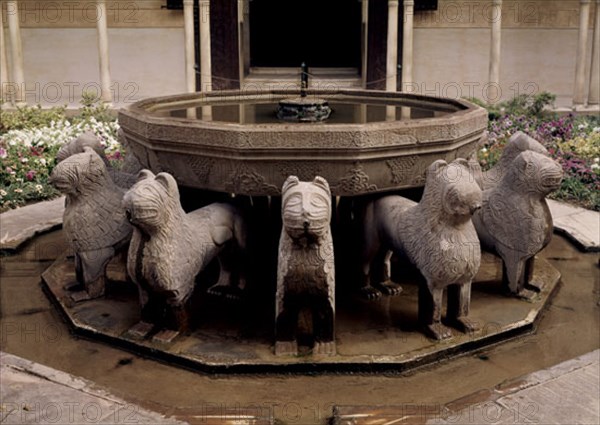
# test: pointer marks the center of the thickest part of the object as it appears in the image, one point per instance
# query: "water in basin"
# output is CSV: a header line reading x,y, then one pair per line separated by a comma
x,y
344,112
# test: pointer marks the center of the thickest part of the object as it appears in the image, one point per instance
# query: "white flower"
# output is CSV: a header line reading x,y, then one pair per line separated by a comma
x,y
3,193
595,166
38,187
596,130
24,160
596,160
43,161
18,190
12,142
484,150
582,126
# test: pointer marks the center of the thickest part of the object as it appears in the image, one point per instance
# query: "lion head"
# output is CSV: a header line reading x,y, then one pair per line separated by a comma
x,y
521,142
306,207
79,173
534,173
152,200
78,144
452,189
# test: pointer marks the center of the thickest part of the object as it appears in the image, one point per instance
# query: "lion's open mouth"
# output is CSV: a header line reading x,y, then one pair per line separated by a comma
x,y
137,215
551,180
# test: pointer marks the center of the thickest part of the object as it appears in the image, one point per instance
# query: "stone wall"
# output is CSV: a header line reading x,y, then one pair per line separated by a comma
x,y
539,46
146,45
60,50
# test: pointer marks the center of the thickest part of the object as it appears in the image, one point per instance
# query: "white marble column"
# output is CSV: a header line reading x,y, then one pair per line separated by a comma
x,y
364,41
16,49
245,33
205,54
391,69
407,44
407,51
190,60
594,96
3,65
102,29
240,33
579,96
495,49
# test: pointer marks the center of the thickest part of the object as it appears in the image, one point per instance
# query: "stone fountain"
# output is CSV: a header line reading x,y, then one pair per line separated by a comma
x,y
301,221
245,151
303,108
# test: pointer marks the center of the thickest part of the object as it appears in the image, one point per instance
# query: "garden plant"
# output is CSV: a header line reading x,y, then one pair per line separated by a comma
x,y
31,136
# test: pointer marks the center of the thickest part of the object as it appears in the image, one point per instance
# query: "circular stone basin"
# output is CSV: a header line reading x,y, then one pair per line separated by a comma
x,y
232,141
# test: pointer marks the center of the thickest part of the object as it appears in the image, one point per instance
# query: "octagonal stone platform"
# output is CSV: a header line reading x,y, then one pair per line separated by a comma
x,y
244,156
230,337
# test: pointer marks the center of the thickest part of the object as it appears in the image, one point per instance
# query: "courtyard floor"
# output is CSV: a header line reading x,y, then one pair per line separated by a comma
x,y
548,376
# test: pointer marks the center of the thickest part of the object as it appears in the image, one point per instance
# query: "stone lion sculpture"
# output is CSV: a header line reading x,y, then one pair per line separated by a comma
x,y
78,144
519,142
305,270
169,247
121,178
94,222
515,220
437,236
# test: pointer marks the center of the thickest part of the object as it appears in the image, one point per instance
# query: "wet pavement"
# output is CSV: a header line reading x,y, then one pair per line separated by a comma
x,y
33,393
33,329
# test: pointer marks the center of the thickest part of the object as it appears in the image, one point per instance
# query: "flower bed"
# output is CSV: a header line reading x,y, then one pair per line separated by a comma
x,y
572,141
29,141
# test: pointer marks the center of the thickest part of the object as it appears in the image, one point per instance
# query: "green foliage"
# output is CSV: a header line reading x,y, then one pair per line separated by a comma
x,y
574,190
523,104
92,107
528,105
493,111
539,103
27,117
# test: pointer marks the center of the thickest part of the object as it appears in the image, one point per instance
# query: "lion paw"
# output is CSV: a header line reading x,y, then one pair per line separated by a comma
x,y
165,336
324,348
79,296
438,331
389,288
536,286
228,292
465,325
369,293
526,294
140,330
286,348
96,288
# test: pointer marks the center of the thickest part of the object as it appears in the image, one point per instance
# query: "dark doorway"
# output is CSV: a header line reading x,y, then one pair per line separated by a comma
x,y
322,33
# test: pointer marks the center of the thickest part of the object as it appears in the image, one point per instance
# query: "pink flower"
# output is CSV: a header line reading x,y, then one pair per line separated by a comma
x,y
30,175
3,153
